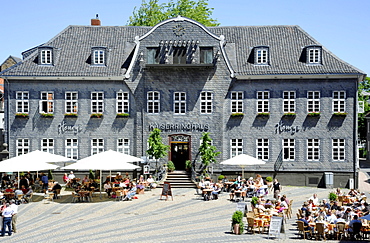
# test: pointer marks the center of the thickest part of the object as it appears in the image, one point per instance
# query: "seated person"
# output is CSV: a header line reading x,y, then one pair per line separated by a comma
x,y
107,187
9,189
351,224
150,181
18,192
306,224
330,217
335,206
24,189
56,189
28,194
85,179
216,191
325,204
119,176
65,178
131,192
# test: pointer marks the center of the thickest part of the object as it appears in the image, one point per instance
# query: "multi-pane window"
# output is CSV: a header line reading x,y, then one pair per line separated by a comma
x,y
288,149
99,57
23,146
71,148
236,147
46,57
339,101
47,145
22,101
338,146
179,55
206,55
263,101
153,55
262,148
289,101
236,101
179,102
71,102
261,56
122,102
314,55
313,101
123,145
97,102
47,102
313,149
206,102
153,101
97,145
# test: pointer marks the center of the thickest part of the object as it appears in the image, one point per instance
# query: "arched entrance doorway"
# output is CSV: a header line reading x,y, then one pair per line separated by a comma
x,y
180,150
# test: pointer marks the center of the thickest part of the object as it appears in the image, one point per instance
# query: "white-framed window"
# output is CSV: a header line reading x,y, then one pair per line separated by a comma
x,y
339,101
47,102
313,149
289,101
263,101
237,101
288,149
338,149
97,145
236,147
23,146
71,148
153,55
153,102
206,99
123,145
179,102
314,55
262,148
46,56
97,102
261,56
313,101
47,145
71,102
22,98
99,57
122,102
206,55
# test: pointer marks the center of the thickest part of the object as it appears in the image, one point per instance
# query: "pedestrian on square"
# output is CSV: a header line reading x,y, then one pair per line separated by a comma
x,y
277,188
7,215
14,207
45,182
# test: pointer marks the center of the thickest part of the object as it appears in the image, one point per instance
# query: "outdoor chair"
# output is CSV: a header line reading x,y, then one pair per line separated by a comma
x,y
303,230
340,229
356,231
320,231
119,196
57,195
20,199
252,226
75,197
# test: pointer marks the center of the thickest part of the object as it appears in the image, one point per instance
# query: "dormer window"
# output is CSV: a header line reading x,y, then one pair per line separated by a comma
x,y
313,55
206,55
99,56
153,55
46,56
261,55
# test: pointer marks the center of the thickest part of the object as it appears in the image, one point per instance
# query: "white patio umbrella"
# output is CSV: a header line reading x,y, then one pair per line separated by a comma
x,y
33,161
243,160
108,160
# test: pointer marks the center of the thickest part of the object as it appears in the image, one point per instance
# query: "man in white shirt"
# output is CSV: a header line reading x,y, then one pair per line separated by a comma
x,y
330,217
71,176
7,220
315,199
14,207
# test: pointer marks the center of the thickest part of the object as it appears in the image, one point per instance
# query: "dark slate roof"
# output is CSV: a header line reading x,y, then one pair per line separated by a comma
x,y
286,44
73,48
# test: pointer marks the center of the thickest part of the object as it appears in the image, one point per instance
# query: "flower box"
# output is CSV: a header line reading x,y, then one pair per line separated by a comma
x,y
237,114
313,114
96,115
340,113
24,115
71,115
123,115
290,114
46,114
263,114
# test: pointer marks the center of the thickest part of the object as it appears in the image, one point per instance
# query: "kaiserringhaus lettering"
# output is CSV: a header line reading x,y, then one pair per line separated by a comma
x,y
179,126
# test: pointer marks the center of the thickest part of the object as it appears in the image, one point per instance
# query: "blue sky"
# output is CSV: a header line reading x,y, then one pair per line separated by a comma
x,y
341,26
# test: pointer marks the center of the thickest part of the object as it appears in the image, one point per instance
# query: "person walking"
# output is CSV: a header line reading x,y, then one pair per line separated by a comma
x,y
7,220
277,188
14,207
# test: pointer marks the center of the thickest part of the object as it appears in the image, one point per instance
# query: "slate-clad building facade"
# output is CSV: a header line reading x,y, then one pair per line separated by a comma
x,y
267,91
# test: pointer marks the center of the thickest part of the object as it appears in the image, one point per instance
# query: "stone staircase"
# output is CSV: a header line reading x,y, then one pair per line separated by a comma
x,y
180,179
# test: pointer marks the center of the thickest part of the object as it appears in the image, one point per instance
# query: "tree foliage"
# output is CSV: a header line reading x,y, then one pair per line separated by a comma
x,y
151,13
363,86
156,147
207,151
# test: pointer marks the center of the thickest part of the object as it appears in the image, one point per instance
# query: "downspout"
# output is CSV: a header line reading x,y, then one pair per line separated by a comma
x,y
7,90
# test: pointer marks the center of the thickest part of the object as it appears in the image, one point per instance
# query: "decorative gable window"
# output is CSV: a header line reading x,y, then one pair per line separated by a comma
x,y
99,56
206,55
313,55
46,55
261,55
153,54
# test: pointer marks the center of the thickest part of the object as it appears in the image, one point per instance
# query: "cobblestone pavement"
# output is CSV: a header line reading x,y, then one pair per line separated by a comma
x,y
147,219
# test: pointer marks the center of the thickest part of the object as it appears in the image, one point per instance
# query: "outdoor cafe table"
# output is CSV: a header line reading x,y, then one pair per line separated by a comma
x,y
84,194
9,195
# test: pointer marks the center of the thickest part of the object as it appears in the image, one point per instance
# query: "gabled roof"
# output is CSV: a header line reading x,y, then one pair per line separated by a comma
x,y
286,43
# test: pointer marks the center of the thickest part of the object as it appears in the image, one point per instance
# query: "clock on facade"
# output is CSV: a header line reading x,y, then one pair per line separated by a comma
x,y
178,30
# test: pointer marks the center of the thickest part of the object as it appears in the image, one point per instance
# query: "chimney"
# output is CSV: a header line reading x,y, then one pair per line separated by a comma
x,y
96,21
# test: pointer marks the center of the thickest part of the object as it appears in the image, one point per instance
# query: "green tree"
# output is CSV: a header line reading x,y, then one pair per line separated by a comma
x,y
151,13
156,147
207,151
363,86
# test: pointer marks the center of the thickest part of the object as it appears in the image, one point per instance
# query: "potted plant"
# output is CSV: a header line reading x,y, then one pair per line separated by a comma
x,y
188,165
237,222
220,178
269,181
170,166
340,113
332,197
254,201
71,115
263,114
123,115
289,114
96,115
313,114
24,115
